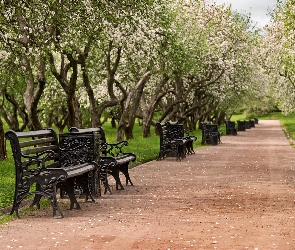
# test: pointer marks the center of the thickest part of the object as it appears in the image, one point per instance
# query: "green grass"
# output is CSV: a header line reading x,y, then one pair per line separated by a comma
x,y
7,181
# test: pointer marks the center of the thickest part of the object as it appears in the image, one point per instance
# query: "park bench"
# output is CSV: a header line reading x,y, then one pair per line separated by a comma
x,y
111,158
178,132
255,120
249,124
174,140
40,161
252,123
241,125
210,134
230,128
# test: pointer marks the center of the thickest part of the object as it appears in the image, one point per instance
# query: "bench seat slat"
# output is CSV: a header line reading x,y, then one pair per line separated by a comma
x,y
37,133
79,169
124,159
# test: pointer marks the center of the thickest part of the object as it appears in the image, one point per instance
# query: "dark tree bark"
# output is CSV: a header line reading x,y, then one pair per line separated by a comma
x,y
148,109
2,142
11,115
131,105
69,86
33,93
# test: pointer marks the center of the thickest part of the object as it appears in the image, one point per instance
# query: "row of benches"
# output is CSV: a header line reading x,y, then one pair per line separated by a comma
x,y
232,128
176,141
83,159
80,158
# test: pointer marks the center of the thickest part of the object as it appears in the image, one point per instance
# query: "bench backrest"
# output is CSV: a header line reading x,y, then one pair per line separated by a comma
x,y
77,149
175,130
208,127
169,131
98,134
230,124
33,151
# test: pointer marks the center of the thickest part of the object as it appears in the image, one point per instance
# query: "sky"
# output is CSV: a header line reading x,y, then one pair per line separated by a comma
x,y
257,8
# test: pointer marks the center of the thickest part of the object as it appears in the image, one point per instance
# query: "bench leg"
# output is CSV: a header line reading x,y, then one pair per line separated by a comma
x,y
114,171
161,154
124,169
180,152
103,176
191,147
214,139
97,185
85,182
45,186
69,187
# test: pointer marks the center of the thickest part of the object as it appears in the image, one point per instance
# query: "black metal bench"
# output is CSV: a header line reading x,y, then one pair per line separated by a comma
x,y
255,120
230,128
174,140
111,158
252,123
241,125
210,134
39,160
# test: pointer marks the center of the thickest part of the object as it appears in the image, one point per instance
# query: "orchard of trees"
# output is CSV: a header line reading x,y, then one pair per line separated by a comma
x,y
83,62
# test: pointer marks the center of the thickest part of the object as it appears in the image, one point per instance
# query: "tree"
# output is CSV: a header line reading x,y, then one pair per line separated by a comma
x,y
2,142
278,48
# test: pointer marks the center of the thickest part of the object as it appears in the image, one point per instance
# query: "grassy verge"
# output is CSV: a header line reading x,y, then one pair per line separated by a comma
x,y
7,181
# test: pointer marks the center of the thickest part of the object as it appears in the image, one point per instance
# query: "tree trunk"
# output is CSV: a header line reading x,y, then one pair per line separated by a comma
x,y
131,105
2,142
113,122
33,92
148,110
69,86
220,118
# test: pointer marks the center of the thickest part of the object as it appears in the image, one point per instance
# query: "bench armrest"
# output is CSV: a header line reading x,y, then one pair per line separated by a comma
x,y
40,160
113,149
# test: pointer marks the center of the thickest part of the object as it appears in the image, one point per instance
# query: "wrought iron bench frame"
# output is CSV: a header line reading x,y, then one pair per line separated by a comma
x,y
174,140
230,127
39,160
210,134
111,158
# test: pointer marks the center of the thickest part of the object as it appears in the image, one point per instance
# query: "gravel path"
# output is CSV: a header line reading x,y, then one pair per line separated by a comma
x,y
236,195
